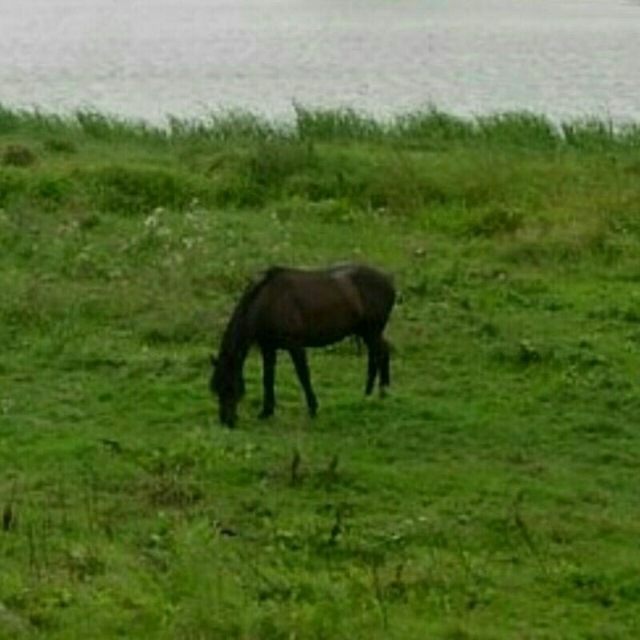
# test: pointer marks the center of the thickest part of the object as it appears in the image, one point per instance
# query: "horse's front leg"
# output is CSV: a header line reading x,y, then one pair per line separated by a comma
x,y
373,360
299,357
385,369
269,356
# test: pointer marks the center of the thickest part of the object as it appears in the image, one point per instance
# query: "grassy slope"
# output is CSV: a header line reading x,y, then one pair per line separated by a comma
x,y
491,495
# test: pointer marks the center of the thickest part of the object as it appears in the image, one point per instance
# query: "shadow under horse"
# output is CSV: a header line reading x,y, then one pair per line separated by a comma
x,y
291,309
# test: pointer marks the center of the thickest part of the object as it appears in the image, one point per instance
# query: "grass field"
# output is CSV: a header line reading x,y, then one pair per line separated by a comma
x,y
493,494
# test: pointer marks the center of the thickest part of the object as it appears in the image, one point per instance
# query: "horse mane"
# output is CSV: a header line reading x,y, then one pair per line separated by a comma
x,y
235,340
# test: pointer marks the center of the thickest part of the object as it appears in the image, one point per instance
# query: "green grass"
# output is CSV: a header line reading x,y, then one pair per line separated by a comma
x,y
493,494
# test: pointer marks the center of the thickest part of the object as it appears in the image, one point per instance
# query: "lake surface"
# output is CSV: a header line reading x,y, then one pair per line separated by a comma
x,y
149,58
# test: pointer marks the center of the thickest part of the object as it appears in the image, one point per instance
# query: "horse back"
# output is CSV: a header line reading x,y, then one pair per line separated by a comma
x,y
321,307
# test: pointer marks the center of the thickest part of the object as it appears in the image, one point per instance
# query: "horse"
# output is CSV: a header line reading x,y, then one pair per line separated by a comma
x,y
290,309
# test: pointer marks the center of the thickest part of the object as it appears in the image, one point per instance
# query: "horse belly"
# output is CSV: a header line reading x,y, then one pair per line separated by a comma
x,y
321,327
316,325
320,339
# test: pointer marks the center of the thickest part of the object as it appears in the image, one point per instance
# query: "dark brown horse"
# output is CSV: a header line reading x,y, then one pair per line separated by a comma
x,y
292,309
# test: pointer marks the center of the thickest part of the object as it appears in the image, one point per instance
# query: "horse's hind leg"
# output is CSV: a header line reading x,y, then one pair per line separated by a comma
x,y
301,365
372,367
378,364
268,380
385,368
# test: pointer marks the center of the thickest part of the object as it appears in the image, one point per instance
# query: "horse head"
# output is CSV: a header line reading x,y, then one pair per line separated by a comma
x,y
228,384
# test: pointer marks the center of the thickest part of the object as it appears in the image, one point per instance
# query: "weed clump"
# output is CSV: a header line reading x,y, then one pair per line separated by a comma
x,y
60,145
17,155
139,189
496,220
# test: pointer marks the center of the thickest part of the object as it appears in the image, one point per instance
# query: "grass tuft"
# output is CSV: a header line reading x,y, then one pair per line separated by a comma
x,y
15,155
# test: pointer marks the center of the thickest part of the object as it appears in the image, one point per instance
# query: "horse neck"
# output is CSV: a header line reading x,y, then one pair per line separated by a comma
x,y
240,332
236,343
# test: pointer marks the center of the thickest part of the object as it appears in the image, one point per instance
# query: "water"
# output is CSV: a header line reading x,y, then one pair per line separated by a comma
x,y
149,58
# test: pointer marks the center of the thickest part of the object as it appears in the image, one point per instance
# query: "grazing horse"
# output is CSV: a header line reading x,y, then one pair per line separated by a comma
x,y
292,309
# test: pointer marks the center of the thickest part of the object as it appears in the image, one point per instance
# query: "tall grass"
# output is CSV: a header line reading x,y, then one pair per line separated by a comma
x,y
400,165
429,126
